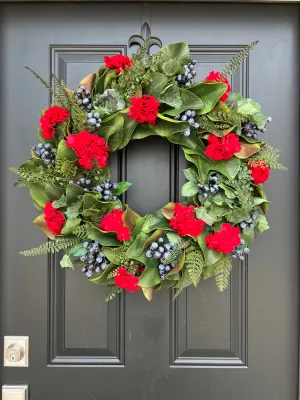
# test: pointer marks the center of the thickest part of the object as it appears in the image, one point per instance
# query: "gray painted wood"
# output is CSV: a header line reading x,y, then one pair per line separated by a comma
x,y
241,344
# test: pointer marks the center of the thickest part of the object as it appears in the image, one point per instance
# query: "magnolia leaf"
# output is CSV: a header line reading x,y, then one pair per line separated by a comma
x,y
179,52
171,67
171,96
53,193
104,238
65,152
189,189
189,102
66,262
166,127
168,211
40,221
73,192
156,221
70,225
38,194
192,142
210,256
153,238
77,250
191,175
173,237
88,82
121,188
262,224
110,76
148,292
73,210
247,150
149,278
229,192
129,128
61,202
130,217
248,235
209,93
157,84
208,271
142,131
139,92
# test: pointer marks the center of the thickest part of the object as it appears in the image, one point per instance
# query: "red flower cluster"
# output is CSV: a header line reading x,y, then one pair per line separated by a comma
x,y
222,148
113,222
224,241
144,109
127,281
55,219
185,222
118,61
218,77
53,116
260,171
90,149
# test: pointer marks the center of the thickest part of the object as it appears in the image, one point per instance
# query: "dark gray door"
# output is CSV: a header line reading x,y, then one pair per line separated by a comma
x,y
241,344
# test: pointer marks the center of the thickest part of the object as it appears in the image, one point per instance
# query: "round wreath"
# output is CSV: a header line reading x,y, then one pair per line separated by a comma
x,y
68,175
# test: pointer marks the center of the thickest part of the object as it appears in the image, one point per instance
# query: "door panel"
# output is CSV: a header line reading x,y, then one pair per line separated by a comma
x,y
241,344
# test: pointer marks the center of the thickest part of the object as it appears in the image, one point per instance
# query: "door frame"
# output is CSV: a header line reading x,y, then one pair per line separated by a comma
x,y
146,3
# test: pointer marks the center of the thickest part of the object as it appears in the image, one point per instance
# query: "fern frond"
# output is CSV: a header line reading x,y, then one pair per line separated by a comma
x,y
79,120
218,128
111,292
60,92
44,82
32,176
176,253
270,156
234,64
50,247
80,232
222,272
183,283
194,262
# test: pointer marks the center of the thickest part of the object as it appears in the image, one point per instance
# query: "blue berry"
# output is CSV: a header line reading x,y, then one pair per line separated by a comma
x,y
149,254
243,225
154,246
246,250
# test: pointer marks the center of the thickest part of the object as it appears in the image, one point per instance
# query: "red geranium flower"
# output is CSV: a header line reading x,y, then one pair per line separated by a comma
x,y
53,116
218,77
222,148
144,109
90,149
260,171
225,240
55,219
113,222
184,221
125,280
118,61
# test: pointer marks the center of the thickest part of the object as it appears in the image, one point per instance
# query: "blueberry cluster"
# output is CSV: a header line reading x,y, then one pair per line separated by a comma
x,y
184,80
84,98
106,190
93,120
84,183
161,251
239,252
45,152
96,262
251,130
188,116
249,223
211,188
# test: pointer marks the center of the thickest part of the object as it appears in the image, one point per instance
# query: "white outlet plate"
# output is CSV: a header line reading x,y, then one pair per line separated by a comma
x,y
21,341
17,392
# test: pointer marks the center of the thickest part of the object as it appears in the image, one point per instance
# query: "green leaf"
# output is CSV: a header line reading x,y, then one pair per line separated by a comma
x,y
121,188
228,168
156,221
73,192
149,278
189,189
137,247
171,96
262,224
70,225
128,130
189,100
171,67
205,216
174,238
191,175
77,250
52,192
166,126
192,142
115,140
115,255
208,271
157,84
248,235
142,131
210,256
41,223
110,102
109,76
229,192
66,262
99,84
62,202
105,239
179,52
73,210
38,194
65,152
209,93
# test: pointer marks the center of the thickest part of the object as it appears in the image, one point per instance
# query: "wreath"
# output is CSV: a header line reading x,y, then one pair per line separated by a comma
x,y
219,132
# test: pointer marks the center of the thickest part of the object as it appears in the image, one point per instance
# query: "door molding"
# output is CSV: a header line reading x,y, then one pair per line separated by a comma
x,y
158,1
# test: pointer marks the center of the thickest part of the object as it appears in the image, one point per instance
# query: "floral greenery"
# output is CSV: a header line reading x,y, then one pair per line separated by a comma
x,y
130,99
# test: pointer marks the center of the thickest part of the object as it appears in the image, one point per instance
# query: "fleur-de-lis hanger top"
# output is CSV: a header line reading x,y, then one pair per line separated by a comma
x,y
139,40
